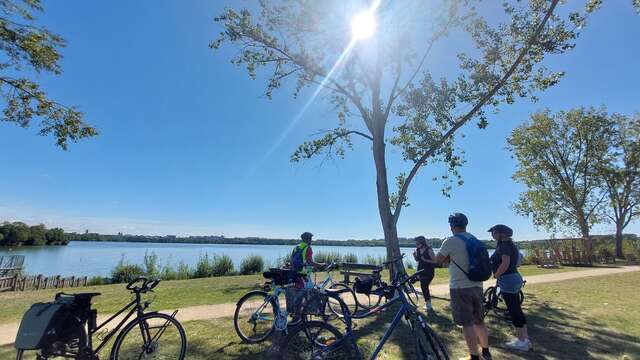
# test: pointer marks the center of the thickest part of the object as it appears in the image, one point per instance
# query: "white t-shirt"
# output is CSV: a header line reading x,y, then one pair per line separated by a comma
x,y
456,250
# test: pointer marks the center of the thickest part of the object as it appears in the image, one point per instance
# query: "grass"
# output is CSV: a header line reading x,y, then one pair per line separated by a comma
x,y
183,293
587,318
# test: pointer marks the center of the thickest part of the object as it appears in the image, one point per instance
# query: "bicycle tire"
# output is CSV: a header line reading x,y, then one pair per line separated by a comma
x,y
489,299
432,348
152,321
264,299
349,298
304,340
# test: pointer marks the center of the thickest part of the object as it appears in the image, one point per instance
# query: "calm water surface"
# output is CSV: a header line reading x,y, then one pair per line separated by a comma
x,y
98,258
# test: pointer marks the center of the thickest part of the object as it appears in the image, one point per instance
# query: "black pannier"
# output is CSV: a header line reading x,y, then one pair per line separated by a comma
x,y
363,286
279,276
60,320
37,328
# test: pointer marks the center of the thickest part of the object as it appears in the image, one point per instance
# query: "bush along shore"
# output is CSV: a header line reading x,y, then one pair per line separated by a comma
x,y
216,265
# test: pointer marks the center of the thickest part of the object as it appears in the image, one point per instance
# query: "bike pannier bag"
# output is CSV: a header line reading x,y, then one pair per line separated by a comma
x,y
37,327
363,286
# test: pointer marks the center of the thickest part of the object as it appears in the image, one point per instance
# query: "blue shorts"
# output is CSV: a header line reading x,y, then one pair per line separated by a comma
x,y
510,283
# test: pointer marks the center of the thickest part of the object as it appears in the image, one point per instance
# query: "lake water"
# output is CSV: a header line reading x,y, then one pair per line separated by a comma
x,y
90,258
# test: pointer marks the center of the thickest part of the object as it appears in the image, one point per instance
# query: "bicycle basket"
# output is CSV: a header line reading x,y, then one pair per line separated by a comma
x,y
314,303
363,286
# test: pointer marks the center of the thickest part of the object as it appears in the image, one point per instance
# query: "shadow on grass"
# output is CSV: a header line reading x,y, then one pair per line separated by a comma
x,y
558,333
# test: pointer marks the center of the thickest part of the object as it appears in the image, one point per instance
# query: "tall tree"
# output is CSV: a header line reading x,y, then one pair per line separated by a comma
x,y
37,235
558,156
30,48
621,175
384,81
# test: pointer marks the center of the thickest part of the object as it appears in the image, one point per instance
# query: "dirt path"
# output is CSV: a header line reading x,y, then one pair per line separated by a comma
x,y
203,312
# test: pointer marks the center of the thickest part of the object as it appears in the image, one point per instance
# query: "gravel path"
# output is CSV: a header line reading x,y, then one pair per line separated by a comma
x,y
203,312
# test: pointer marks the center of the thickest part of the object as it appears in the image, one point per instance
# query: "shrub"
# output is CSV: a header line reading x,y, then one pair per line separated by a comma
x,y
251,265
97,280
151,266
184,271
350,258
125,272
168,273
372,260
203,267
327,257
280,262
222,265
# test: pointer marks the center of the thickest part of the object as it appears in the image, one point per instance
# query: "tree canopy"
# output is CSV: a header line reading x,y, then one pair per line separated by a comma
x,y
571,163
382,89
30,49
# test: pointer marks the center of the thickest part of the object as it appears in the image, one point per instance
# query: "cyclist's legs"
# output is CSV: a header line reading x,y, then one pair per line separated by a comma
x,y
517,316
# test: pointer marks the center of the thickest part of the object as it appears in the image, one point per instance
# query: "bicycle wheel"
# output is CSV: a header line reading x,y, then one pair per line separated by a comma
x,y
430,347
490,299
308,340
254,317
349,298
151,336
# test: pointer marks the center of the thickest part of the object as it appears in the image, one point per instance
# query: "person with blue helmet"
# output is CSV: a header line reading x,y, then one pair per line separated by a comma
x,y
505,269
467,303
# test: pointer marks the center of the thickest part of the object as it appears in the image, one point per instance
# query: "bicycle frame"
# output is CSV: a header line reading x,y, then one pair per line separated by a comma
x,y
134,306
405,309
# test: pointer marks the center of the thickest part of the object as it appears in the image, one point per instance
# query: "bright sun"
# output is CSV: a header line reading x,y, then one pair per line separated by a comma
x,y
363,25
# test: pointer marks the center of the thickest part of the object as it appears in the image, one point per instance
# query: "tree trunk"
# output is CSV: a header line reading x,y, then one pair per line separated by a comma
x,y
384,206
586,239
618,240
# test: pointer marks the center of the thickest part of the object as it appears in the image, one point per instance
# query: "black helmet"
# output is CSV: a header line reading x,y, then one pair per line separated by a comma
x,y
306,236
458,220
502,229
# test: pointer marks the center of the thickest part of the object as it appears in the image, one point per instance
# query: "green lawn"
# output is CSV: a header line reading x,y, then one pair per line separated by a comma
x,y
182,293
588,318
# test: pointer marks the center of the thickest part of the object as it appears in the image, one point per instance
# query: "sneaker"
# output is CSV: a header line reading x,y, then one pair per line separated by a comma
x,y
522,345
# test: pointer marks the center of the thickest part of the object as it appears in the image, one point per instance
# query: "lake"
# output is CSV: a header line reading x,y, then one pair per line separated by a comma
x,y
89,258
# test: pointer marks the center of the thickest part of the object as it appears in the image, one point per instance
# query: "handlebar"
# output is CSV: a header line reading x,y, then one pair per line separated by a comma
x,y
411,278
399,258
146,284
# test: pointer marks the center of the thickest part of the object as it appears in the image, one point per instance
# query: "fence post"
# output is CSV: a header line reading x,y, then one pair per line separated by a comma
x,y
14,282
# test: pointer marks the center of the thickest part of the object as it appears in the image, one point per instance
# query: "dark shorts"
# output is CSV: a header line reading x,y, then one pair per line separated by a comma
x,y
467,306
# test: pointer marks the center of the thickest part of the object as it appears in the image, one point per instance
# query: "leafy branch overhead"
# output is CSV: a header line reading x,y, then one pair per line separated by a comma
x,y
382,88
27,47
303,40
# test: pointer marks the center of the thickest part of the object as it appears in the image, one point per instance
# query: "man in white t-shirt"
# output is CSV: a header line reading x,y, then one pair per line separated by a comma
x,y
466,295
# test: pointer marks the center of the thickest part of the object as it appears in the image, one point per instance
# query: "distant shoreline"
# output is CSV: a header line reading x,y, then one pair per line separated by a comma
x,y
409,243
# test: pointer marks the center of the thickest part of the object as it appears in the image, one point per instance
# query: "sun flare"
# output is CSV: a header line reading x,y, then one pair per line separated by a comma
x,y
363,25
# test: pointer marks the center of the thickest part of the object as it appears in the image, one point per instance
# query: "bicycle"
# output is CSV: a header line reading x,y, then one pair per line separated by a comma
x,y
318,340
259,313
493,299
72,325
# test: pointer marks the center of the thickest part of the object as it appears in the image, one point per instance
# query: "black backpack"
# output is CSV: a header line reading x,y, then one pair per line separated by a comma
x,y
479,263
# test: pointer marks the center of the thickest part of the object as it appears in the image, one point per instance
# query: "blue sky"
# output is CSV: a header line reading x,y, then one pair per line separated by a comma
x,y
184,135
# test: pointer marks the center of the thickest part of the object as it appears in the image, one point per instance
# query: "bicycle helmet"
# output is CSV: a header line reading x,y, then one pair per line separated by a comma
x,y
306,236
458,220
502,229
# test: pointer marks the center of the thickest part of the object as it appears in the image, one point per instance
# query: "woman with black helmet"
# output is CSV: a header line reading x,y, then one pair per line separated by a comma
x,y
505,269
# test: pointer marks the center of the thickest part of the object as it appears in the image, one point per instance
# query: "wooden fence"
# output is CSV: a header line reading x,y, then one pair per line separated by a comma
x,y
40,282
